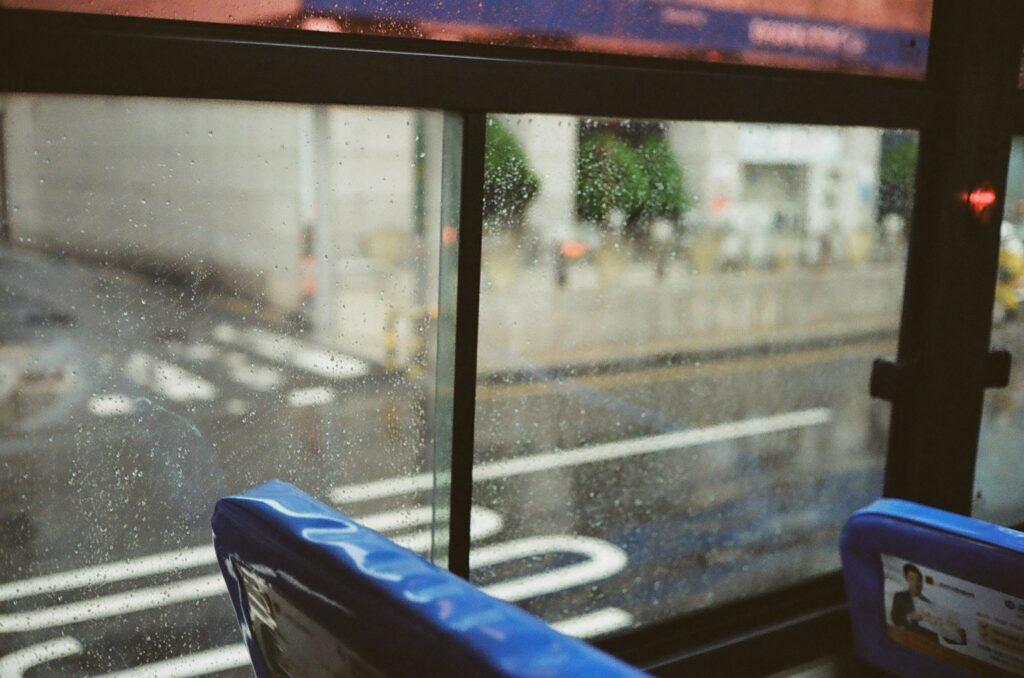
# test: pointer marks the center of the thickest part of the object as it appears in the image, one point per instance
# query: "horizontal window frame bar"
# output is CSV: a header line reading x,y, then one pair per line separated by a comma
x,y
53,52
752,636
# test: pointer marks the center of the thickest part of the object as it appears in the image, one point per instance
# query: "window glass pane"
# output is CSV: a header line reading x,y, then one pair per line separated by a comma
x,y
198,297
1000,469
871,36
677,325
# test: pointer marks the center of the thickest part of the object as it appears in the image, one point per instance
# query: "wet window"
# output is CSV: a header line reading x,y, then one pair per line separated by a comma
x,y
196,297
1000,468
672,405
866,36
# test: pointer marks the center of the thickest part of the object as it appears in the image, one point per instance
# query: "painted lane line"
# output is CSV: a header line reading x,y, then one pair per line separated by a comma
x,y
404,519
603,560
483,524
622,449
242,370
198,556
15,664
378,489
110,572
114,605
167,379
284,349
594,623
236,407
309,397
111,404
187,666
199,353
486,523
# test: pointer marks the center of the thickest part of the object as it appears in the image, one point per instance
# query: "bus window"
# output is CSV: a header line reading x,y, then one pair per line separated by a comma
x,y
709,447
1000,469
199,297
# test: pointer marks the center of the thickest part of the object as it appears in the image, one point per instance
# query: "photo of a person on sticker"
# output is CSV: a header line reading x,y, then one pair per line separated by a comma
x,y
913,611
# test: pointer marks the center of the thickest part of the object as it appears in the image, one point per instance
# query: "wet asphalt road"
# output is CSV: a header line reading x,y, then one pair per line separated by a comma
x,y
141,402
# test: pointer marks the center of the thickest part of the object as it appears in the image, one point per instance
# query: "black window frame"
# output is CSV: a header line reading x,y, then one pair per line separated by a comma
x,y
966,110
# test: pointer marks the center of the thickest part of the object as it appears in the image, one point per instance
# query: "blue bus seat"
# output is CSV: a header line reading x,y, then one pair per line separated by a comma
x,y
933,593
317,594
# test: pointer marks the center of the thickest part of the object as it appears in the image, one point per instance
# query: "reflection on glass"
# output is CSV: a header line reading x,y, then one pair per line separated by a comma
x,y
198,297
863,36
1000,468
676,326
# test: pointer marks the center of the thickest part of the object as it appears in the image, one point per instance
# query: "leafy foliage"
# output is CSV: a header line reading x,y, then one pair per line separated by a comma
x,y
510,184
896,180
609,176
643,180
665,179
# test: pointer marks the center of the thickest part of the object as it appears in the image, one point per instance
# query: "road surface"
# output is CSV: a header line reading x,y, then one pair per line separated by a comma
x,y
601,501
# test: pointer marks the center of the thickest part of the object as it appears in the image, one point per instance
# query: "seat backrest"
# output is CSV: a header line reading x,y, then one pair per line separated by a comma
x,y
318,594
933,593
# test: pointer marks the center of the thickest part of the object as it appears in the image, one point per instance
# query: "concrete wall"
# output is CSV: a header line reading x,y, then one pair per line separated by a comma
x,y
219,189
232,190
702,313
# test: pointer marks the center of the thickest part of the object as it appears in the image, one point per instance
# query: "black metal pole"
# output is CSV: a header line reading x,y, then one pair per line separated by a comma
x,y
466,327
5,216
944,365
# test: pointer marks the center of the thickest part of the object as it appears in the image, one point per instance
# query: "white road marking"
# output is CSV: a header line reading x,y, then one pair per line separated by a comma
x,y
602,561
110,572
187,666
198,352
114,605
167,379
236,407
404,519
390,487
595,623
284,349
15,664
483,523
257,377
308,397
486,523
110,404
387,487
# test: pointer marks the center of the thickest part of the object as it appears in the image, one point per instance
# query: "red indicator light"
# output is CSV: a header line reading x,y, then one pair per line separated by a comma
x,y
981,199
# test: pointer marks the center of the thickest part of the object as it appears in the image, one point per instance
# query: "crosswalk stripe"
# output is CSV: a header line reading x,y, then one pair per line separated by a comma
x,y
282,348
168,379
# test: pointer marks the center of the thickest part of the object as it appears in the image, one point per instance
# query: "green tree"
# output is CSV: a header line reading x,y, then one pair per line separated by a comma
x,y
609,176
665,198
896,175
510,184
643,180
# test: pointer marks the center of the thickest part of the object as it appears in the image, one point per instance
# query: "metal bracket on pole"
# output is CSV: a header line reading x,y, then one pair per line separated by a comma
x,y
889,379
997,369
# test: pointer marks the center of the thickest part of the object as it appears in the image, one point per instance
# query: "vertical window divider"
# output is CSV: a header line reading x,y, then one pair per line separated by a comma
x,y
5,224
470,234
939,379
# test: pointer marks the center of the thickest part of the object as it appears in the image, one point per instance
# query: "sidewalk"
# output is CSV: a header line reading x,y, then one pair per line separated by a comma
x,y
528,322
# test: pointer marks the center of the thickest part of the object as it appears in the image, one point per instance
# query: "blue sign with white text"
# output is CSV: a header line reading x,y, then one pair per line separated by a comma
x,y
665,22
